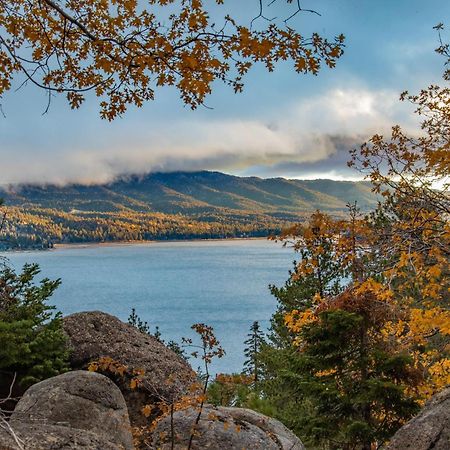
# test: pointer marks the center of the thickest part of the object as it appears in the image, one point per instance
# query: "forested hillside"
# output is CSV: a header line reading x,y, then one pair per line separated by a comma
x,y
179,205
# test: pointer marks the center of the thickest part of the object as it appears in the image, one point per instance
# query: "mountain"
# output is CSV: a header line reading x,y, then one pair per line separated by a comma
x,y
187,192
170,206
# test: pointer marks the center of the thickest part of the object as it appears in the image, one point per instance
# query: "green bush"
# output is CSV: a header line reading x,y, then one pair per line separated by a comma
x,y
32,342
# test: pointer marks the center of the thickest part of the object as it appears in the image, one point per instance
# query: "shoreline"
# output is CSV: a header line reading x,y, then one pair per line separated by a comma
x,y
146,242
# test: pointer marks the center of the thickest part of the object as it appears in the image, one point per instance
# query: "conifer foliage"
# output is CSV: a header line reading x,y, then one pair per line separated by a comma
x,y
32,342
253,345
331,371
142,325
137,322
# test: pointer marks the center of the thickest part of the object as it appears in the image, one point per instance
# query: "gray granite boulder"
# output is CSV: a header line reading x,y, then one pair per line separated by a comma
x,y
95,334
33,436
430,429
74,410
225,429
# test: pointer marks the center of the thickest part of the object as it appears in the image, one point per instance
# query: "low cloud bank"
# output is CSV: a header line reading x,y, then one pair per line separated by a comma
x,y
309,138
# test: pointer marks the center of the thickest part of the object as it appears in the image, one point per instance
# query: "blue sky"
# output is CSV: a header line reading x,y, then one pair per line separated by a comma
x,y
284,124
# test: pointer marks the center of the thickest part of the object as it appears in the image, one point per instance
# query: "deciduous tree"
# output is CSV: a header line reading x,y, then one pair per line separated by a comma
x,y
412,226
122,50
360,361
336,379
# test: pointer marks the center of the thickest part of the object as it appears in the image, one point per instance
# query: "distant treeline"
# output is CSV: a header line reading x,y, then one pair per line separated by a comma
x,y
41,228
179,205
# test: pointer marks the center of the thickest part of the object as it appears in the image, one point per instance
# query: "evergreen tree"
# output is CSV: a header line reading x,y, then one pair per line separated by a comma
x,y
137,322
254,343
358,387
143,326
32,342
317,272
177,348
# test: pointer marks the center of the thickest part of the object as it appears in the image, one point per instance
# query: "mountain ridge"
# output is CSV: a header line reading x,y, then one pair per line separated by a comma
x,y
205,188
180,205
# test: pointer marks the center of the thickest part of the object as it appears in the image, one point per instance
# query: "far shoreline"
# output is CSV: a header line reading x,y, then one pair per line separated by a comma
x,y
144,242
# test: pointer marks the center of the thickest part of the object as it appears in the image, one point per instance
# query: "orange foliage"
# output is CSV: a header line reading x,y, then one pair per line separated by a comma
x,y
122,52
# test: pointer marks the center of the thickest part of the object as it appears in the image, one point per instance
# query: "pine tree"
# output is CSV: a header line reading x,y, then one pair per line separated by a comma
x,y
254,343
357,383
137,322
32,342
317,272
143,326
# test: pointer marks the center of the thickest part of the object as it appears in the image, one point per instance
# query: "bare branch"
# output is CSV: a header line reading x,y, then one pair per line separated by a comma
x,y
4,423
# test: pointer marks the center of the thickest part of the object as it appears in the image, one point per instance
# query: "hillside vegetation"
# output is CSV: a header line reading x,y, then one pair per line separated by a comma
x,y
179,205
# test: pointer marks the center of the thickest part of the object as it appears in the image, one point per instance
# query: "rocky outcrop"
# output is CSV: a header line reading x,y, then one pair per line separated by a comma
x,y
225,429
93,335
82,409
51,437
430,429
75,410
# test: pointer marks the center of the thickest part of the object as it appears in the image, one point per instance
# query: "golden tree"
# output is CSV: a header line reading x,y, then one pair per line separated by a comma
x,y
361,359
345,382
122,51
412,174
397,259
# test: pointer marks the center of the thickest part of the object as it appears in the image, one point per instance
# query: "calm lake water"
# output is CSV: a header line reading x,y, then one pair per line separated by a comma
x,y
172,285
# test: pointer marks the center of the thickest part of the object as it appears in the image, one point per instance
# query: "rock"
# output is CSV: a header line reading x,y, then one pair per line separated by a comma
x,y
74,410
430,429
225,429
51,437
95,334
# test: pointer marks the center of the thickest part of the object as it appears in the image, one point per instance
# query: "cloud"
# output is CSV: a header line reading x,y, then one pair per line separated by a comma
x,y
308,137
333,167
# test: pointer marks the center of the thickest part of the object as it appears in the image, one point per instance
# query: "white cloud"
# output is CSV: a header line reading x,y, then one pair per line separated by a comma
x,y
309,131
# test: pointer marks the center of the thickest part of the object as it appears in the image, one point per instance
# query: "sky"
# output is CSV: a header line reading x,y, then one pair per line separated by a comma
x,y
283,125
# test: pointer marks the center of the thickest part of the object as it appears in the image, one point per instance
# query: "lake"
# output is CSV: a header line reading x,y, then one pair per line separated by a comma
x,y
172,285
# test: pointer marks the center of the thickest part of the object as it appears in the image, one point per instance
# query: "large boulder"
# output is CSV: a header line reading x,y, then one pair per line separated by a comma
x,y
167,376
225,429
430,429
74,410
34,436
